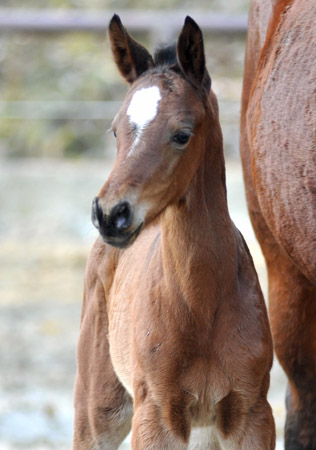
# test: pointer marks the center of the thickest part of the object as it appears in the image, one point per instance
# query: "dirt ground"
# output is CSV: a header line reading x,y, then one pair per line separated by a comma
x,y
45,236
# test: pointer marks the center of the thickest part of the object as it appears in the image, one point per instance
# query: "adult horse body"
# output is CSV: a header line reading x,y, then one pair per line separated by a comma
x,y
278,147
174,337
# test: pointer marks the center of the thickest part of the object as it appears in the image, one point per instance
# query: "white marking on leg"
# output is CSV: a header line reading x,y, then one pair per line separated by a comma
x,y
142,110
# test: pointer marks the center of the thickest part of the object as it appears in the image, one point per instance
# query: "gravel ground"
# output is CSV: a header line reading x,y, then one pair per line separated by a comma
x,y
45,236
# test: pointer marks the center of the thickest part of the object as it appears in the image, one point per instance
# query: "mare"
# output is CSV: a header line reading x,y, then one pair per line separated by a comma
x,y
278,148
174,340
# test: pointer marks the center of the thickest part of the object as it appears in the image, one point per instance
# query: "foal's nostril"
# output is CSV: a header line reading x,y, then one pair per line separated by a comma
x,y
121,216
97,213
116,223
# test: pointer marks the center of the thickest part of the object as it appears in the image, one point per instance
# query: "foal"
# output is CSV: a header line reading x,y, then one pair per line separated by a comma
x,y
174,340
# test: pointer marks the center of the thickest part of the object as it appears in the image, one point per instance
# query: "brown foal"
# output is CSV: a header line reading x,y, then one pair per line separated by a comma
x,y
174,340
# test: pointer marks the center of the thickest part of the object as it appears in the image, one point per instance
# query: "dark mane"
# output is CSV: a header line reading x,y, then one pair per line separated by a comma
x,y
165,55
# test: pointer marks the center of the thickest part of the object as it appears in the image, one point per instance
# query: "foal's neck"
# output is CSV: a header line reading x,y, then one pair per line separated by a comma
x,y
198,240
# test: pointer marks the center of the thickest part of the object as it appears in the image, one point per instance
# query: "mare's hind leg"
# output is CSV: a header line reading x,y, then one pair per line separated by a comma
x,y
103,408
293,321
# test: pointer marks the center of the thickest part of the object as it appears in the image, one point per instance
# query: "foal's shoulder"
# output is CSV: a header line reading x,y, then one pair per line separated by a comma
x,y
246,269
101,265
254,316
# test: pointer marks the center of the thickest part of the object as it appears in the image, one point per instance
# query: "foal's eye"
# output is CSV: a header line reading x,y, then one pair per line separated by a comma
x,y
181,138
114,133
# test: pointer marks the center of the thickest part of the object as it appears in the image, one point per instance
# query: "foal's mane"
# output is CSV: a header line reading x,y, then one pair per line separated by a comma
x,y
165,55
165,58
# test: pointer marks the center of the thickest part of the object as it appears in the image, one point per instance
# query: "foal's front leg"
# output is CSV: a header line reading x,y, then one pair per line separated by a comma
x,y
149,432
159,425
103,408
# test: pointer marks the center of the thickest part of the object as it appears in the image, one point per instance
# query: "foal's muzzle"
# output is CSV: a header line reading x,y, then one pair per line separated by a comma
x,y
116,228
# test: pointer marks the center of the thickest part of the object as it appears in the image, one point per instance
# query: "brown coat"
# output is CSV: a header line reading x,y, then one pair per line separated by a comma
x,y
278,148
174,327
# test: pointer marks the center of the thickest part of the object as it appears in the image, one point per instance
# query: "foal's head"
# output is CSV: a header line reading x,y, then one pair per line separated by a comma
x,y
160,131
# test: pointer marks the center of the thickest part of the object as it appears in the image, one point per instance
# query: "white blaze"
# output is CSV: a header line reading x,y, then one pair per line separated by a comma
x,y
143,109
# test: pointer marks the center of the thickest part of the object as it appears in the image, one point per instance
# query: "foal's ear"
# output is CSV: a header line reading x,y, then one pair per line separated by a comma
x,y
190,54
132,59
